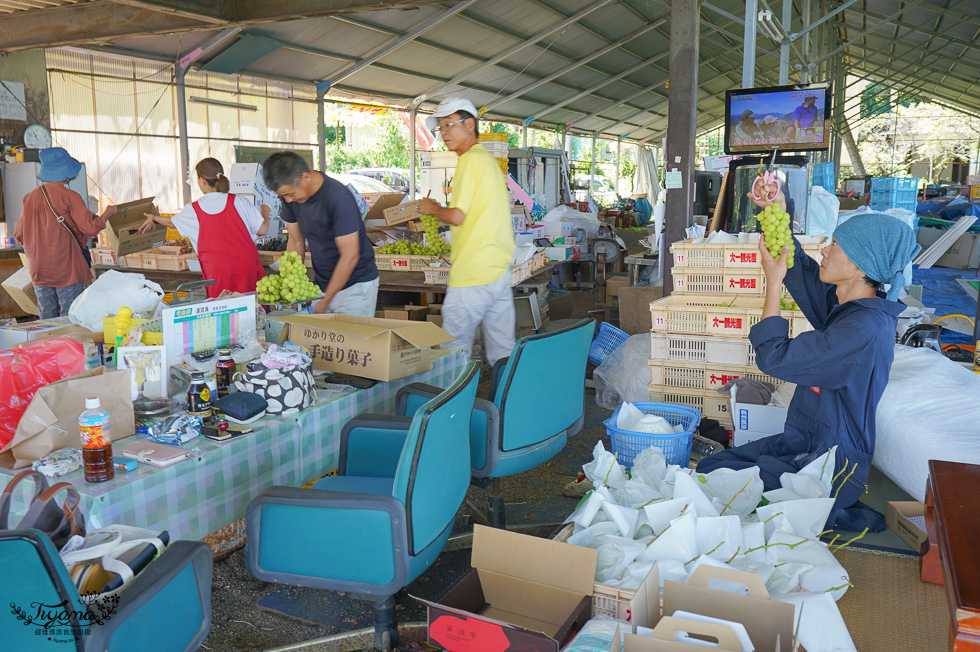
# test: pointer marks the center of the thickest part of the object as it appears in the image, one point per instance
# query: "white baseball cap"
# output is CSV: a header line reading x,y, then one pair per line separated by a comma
x,y
449,106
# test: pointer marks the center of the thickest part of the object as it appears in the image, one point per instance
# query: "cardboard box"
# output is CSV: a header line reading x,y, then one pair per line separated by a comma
x,y
382,203
382,349
522,593
757,421
634,308
18,285
613,285
402,213
407,313
963,254
30,331
898,516
852,203
121,229
555,229
523,238
561,252
769,624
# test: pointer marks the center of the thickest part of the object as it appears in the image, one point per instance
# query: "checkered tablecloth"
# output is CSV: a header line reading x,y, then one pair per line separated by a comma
x,y
213,488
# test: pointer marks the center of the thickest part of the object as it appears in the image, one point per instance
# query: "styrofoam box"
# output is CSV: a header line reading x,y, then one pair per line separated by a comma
x,y
702,348
439,159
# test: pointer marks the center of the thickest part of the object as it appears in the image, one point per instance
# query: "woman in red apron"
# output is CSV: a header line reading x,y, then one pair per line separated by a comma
x,y
222,229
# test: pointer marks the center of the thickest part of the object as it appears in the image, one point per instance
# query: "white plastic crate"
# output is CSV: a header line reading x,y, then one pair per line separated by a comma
x,y
522,272
610,601
695,280
688,253
702,348
725,316
702,376
399,263
712,404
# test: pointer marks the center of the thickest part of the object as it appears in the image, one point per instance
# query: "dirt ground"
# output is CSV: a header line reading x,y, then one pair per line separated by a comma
x,y
248,614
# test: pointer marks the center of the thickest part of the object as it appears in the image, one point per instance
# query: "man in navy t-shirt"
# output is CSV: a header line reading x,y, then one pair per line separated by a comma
x,y
321,211
804,116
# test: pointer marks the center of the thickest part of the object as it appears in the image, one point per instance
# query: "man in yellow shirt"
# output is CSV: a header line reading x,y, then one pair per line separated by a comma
x,y
482,245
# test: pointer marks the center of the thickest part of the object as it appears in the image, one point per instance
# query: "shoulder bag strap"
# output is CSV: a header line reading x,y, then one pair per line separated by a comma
x,y
61,220
69,507
40,485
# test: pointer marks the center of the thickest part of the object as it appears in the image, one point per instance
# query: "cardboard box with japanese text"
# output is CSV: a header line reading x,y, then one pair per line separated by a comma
x,y
522,593
898,517
382,349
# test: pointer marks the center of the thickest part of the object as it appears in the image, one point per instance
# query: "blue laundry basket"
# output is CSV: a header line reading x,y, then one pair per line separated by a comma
x,y
606,341
676,447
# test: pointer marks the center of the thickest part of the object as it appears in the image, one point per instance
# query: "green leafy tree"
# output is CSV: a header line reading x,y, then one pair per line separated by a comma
x,y
392,148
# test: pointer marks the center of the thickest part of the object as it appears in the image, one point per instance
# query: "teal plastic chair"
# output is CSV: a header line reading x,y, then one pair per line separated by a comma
x,y
537,401
384,519
166,607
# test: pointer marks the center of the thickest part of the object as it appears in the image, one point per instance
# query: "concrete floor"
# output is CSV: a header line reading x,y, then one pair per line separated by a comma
x,y
248,614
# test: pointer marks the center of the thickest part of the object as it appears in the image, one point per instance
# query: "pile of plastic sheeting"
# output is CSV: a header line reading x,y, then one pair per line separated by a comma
x,y
682,519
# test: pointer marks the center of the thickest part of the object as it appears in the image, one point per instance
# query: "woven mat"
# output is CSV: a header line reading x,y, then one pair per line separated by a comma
x,y
889,609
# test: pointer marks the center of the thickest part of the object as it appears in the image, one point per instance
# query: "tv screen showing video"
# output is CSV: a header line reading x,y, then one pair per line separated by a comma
x,y
788,118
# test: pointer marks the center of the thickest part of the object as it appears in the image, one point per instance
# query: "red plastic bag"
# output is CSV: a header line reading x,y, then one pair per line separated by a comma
x,y
23,371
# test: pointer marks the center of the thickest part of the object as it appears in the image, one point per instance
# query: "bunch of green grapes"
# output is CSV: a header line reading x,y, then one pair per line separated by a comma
x,y
291,284
775,226
786,303
436,247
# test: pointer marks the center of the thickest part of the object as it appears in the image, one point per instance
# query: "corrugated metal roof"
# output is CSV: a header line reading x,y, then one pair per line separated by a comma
x,y
598,65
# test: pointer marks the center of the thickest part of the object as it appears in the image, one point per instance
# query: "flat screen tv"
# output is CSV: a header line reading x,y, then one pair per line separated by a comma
x,y
789,118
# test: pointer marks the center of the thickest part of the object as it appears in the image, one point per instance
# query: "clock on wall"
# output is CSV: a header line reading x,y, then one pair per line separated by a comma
x,y
37,136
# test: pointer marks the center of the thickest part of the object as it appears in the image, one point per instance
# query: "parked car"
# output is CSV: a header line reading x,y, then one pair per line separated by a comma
x,y
363,185
601,187
397,178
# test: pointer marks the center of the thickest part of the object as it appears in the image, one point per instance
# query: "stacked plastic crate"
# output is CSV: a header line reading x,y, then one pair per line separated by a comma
x,y
894,192
825,175
699,339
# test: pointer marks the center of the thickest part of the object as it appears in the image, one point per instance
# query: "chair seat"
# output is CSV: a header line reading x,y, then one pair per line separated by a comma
x,y
356,485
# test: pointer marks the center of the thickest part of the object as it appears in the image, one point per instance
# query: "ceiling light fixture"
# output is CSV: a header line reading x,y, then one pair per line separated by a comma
x,y
771,27
230,105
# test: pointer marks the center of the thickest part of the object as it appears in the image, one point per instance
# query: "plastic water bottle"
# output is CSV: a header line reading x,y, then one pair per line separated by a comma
x,y
94,428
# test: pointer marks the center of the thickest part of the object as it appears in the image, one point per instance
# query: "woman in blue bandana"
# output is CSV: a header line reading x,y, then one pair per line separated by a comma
x,y
841,367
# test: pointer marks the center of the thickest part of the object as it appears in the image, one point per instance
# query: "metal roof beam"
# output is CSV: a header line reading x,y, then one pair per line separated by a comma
x,y
100,22
884,21
924,27
500,56
405,38
209,12
595,55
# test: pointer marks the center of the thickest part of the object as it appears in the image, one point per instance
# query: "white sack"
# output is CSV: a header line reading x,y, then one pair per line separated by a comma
x,y
109,293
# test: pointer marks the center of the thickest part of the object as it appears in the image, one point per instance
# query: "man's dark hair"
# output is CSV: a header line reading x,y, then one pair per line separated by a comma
x,y
283,169
875,285
466,115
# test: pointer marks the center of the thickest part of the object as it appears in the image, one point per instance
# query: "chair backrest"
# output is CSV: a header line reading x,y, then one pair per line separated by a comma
x,y
35,582
433,472
541,390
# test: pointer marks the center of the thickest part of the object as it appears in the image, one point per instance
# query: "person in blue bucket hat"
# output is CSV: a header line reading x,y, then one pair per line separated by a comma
x,y
841,367
54,228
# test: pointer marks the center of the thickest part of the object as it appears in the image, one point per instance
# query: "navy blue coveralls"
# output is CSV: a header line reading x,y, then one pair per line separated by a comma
x,y
841,369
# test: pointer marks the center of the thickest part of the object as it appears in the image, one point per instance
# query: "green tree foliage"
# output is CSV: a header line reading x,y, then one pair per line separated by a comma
x,y
875,100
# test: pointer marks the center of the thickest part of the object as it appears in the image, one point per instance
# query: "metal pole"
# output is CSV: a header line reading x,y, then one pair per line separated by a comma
x,y
805,46
524,136
784,46
619,159
321,123
413,112
592,167
185,187
682,107
748,54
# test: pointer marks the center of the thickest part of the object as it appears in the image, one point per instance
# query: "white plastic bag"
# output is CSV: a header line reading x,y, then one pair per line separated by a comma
x,y
822,209
625,374
929,411
578,220
110,292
